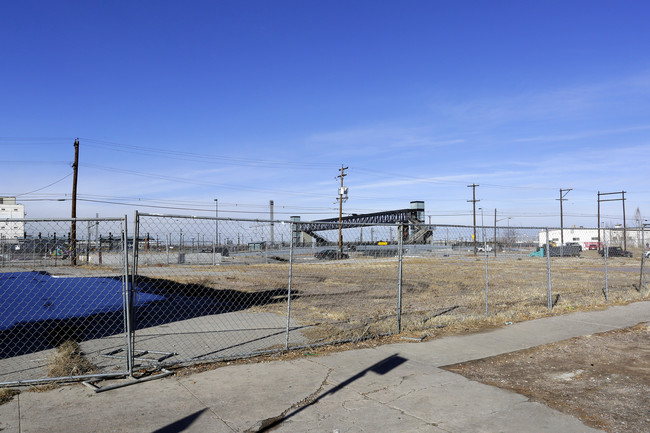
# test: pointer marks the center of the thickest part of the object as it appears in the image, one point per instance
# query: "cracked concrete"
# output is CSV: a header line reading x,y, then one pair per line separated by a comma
x,y
270,423
397,388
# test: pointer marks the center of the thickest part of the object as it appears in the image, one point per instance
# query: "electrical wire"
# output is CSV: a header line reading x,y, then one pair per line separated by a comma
x,y
191,156
193,182
46,186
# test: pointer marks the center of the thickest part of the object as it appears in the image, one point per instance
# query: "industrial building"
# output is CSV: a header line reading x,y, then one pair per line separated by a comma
x,y
588,238
10,229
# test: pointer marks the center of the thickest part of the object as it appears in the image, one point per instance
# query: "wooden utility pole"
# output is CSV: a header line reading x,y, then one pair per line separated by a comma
x,y
563,193
342,192
73,227
473,200
622,199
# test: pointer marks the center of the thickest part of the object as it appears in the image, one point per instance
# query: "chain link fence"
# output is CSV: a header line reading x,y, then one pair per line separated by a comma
x,y
512,272
201,289
63,287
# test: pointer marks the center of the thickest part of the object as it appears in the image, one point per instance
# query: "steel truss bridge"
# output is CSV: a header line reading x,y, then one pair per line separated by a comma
x,y
407,216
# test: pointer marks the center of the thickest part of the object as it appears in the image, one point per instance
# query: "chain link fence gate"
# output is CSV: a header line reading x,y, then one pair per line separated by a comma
x,y
63,297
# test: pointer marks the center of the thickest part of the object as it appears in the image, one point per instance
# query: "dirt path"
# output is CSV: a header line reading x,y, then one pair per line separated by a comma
x,y
603,379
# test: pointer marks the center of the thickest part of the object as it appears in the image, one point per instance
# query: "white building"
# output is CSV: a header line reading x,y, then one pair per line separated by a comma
x,y
588,238
11,230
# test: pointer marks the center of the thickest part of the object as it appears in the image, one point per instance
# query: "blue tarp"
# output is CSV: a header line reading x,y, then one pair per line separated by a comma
x,y
33,296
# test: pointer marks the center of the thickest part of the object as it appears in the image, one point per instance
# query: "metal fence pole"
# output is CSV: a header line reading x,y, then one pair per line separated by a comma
x,y
642,276
400,241
487,280
128,293
606,256
88,246
286,346
549,290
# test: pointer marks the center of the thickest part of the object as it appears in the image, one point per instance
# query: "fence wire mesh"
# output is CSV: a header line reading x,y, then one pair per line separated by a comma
x,y
512,272
224,284
57,318
202,289
345,291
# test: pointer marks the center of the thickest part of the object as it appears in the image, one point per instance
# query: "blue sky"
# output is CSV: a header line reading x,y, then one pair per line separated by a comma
x,y
178,103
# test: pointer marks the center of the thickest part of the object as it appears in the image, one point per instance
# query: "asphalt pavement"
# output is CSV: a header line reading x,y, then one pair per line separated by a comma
x,y
391,388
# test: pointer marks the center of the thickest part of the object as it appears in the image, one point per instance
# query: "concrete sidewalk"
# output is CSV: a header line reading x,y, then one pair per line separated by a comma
x,y
392,388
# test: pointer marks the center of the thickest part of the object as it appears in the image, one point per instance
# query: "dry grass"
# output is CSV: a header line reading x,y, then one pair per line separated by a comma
x,y
69,361
6,394
357,298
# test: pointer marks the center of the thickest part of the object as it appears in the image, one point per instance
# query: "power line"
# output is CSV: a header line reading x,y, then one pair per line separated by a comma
x,y
191,156
46,186
189,209
194,182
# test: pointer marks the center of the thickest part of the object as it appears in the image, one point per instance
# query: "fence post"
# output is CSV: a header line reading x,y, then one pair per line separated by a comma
x,y
487,279
606,256
642,276
400,241
286,346
129,289
549,291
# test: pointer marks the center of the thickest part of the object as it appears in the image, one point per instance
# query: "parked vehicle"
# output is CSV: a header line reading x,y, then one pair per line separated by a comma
x,y
484,249
329,255
573,244
615,252
565,251
217,250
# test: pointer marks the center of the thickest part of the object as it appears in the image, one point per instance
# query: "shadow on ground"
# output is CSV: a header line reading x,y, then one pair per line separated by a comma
x,y
175,302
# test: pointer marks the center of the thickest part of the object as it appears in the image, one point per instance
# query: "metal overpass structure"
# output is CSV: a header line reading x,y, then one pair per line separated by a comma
x,y
419,233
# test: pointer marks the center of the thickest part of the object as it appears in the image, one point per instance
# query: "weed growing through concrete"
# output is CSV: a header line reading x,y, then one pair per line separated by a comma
x,y
69,360
6,394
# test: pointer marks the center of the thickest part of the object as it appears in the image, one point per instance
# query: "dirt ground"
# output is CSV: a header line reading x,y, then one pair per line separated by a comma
x,y
603,379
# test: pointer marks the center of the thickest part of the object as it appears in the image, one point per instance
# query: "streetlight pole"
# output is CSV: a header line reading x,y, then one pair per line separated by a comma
x,y
482,226
508,237
473,200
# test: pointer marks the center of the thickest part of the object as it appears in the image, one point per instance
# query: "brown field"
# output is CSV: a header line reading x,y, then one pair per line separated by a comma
x,y
603,379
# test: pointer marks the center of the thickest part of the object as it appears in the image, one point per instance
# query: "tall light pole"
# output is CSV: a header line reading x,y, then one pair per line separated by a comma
x,y
473,200
495,231
482,224
509,234
216,221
